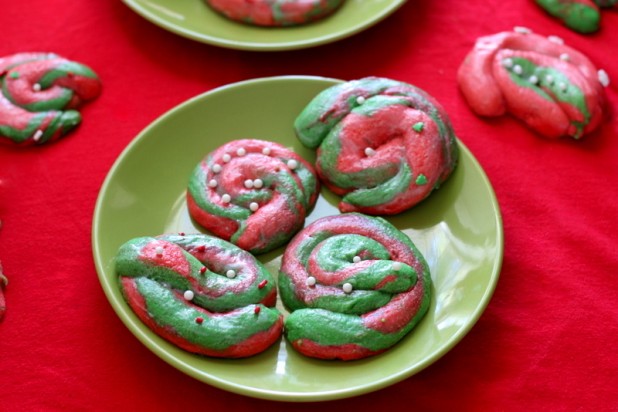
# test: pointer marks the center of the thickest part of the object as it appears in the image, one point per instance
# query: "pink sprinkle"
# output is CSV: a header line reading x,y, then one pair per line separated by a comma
x,y
181,233
199,320
257,310
262,284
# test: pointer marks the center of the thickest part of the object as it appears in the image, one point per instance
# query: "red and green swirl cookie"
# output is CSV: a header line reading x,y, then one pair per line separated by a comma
x,y
254,193
355,286
201,293
583,16
554,89
272,13
40,95
382,145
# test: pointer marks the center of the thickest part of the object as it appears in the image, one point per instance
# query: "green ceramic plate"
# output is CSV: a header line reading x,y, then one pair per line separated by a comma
x,y
195,20
458,229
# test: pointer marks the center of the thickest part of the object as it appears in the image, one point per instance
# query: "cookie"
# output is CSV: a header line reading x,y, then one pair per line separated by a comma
x,y
383,145
40,95
355,286
273,13
254,193
583,16
554,89
201,293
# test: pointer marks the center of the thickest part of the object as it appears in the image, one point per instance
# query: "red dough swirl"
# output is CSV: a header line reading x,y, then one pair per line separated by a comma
x,y
275,12
40,92
554,89
383,145
254,193
355,284
201,293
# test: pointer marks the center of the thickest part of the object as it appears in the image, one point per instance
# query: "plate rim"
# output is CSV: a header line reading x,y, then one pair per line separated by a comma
x,y
277,395
142,11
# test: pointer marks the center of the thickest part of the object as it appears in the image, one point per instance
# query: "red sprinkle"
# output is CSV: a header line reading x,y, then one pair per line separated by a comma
x,y
203,270
199,320
262,284
257,310
201,248
181,233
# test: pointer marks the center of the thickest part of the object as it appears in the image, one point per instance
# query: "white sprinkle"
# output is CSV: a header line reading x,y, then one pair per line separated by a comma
x,y
517,69
254,206
188,295
37,135
226,158
266,151
230,274
241,152
159,250
216,168
549,79
226,198
249,184
292,164
369,151
257,183
212,183
347,287
360,100
396,265
508,62
562,86
310,281
36,87
533,79
555,39
356,259
603,78
522,30
564,57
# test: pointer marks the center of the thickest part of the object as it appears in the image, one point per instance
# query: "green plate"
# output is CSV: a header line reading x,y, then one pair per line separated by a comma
x,y
195,20
458,229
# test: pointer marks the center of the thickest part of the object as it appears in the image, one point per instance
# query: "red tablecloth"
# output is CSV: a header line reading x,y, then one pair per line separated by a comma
x,y
547,338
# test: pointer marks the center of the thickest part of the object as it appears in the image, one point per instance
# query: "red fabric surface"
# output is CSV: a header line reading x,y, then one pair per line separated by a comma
x,y
546,339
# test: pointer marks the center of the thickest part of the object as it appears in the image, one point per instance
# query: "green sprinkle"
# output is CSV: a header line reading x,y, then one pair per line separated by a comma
x,y
14,75
418,127
421,179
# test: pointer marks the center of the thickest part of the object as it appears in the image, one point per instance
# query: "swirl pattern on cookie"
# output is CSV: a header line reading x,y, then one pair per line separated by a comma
x,y
382,145
554,89
201,293
254,193
40,92
273,13
355,286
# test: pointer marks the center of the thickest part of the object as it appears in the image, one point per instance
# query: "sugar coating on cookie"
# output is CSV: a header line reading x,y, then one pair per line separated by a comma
x,y
254,193
355,286
40,95
554,89
179,286
274,13
383,145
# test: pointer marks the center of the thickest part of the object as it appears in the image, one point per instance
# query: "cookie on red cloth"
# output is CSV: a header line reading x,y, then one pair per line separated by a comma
x,y
554,89
40,95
